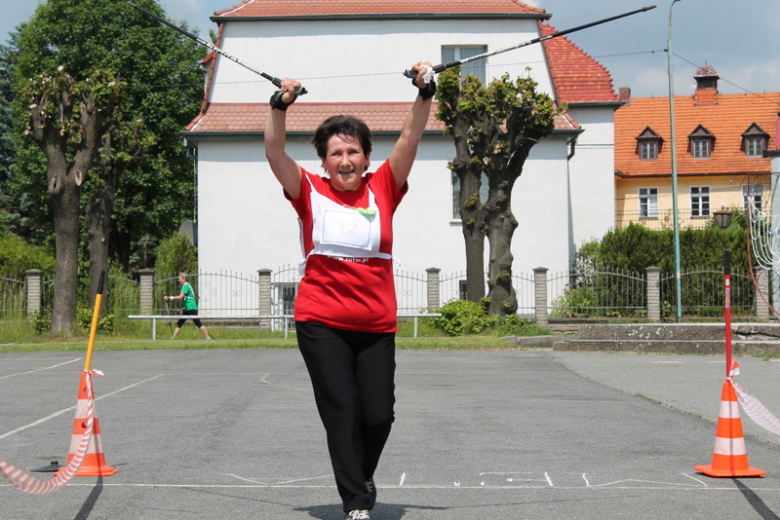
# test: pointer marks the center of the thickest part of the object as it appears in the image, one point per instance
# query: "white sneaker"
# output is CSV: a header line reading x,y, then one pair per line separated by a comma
x,y
358,514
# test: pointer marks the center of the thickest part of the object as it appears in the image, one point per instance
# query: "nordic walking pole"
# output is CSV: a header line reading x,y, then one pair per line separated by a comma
x,y
444,66
276,81
95,319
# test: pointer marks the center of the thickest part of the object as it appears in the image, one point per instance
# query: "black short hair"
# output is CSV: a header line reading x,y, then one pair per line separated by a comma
x,y
341,125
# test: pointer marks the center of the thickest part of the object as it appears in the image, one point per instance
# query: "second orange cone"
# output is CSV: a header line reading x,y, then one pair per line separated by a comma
x,y
94,464
729,459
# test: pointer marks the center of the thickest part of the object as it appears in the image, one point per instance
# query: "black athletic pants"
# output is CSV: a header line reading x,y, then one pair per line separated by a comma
x,y
193,312
352,374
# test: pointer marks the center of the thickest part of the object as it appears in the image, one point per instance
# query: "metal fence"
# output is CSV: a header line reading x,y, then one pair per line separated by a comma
x,y
597,293
585,293
218,293
12,298
703,294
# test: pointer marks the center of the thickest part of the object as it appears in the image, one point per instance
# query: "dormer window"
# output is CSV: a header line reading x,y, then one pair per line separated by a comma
x,y
702,143
648,144
754,140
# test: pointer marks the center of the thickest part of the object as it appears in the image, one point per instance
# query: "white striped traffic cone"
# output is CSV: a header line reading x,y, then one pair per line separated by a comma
x,y
729,459
94,464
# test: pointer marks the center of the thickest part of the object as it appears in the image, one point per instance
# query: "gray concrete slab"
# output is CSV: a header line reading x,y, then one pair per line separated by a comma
x,y
498,434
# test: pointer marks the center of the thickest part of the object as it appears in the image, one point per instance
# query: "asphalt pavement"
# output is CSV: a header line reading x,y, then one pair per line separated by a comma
x,y
517,434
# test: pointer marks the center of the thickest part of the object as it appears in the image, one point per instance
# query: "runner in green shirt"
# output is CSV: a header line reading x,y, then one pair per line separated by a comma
x,y
190,306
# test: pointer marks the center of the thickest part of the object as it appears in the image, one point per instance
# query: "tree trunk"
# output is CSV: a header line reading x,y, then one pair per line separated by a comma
x,y
98,217
501,224
472,225
65,194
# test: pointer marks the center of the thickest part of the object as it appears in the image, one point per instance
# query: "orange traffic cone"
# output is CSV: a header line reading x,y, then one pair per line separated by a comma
x,y
94,464
729,458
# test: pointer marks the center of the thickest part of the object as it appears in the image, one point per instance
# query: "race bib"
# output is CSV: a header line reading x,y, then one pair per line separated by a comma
x,y
345,227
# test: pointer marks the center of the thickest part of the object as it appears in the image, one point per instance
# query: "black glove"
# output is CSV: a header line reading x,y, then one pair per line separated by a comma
x,y
429,91
278,104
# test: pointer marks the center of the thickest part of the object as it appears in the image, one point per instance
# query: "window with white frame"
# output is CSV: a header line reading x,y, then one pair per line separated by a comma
x,y
477,68
754,146
648,202
756,191
648,150
701,148
700,201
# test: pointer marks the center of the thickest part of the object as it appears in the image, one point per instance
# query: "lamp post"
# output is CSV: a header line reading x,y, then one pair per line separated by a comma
x,y
676,223
722,217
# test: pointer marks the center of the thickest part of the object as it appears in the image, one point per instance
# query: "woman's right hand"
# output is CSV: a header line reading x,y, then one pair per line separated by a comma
x,y
289,86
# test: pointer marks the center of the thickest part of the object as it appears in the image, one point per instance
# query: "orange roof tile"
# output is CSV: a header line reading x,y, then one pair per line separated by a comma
x,y
303,117
262,8
577,77
726,116
306,117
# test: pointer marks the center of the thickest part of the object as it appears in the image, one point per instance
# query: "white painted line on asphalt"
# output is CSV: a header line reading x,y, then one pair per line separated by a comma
x,y
57,414
403,477
265,380
40,369
282,483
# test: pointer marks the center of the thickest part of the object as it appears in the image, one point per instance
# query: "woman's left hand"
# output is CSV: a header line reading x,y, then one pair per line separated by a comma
x,y
422,67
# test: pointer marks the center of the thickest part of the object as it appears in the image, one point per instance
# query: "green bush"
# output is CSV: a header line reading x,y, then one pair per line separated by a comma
x,y
84,319
462,317
16,257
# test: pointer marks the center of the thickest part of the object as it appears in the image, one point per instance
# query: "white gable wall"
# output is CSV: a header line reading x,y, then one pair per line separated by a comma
x,y
592,191
362,60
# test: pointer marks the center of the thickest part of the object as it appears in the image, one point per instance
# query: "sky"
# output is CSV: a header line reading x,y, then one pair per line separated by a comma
x,y
739,40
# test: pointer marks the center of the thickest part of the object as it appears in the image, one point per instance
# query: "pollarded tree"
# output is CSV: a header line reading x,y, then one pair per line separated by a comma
x,y
67,120
494,129
134,193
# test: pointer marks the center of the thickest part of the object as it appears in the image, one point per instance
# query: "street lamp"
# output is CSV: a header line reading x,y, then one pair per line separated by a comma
x,y
677,281
722,217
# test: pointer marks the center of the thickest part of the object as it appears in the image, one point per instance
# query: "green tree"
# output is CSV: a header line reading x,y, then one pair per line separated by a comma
x,y
132,190
494,129
9,55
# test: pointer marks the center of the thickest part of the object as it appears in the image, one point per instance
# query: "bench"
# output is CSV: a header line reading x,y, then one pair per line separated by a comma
x,y
286,318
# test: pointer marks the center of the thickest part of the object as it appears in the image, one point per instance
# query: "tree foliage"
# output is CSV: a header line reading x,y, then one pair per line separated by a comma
x,y
494,129
140,82
164,92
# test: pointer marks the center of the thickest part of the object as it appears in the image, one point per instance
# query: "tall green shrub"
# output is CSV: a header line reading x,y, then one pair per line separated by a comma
x,y
176,254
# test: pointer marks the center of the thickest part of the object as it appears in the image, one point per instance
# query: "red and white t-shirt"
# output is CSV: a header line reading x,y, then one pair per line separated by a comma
x,y
349,292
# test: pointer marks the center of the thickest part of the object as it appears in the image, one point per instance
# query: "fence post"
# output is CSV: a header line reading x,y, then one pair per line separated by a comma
x,y
653,294
264,297
432,282
761,308
34,282
540,296
147,291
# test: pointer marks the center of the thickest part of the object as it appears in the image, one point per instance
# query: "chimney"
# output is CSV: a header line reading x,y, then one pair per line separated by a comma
x,y
624,94
706,86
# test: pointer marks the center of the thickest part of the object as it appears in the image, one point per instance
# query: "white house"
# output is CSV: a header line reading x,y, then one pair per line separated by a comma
x,y
350,56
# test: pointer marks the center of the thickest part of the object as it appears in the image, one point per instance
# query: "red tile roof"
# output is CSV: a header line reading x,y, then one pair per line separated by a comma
x,y
726,116
303,117
577,77
306,117
261,8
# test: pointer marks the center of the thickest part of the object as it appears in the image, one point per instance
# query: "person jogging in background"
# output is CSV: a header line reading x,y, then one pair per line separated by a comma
x,y
190,306
346,310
